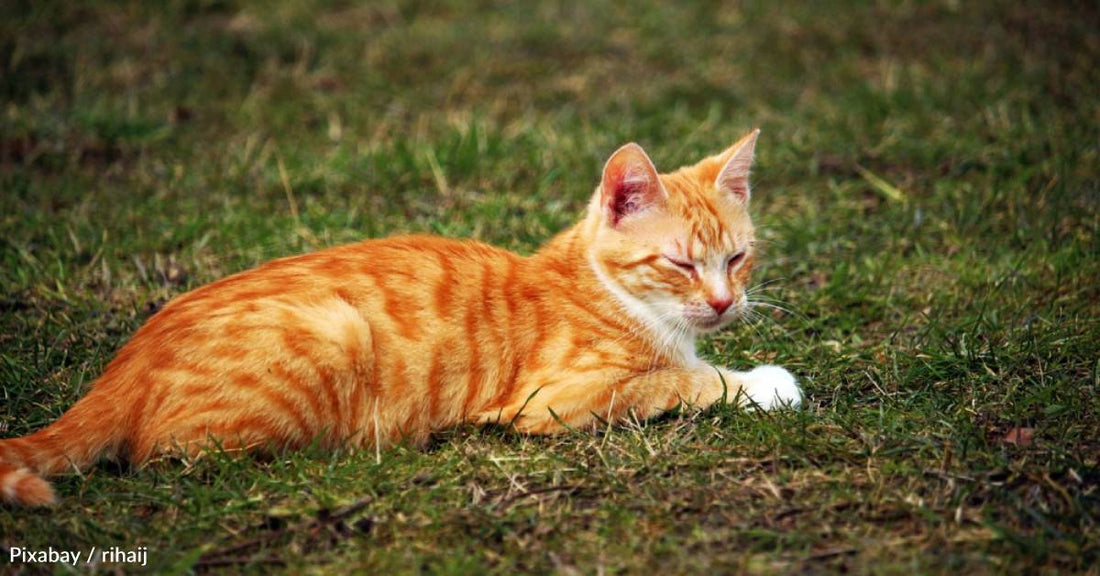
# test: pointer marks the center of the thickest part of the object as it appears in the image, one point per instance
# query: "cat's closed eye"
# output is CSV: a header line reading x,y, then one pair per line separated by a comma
x,y
684,265
735,260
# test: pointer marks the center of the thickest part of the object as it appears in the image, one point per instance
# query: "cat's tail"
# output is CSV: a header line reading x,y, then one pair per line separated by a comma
x,y
75,441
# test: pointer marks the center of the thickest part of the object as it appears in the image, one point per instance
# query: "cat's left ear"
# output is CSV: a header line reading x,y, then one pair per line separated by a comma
x,y
733,178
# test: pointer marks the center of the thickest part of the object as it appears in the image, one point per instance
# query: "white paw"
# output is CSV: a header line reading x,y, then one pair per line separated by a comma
x,y
771,387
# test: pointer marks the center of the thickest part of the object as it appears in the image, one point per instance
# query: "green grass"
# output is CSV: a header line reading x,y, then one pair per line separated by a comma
x,y
927,189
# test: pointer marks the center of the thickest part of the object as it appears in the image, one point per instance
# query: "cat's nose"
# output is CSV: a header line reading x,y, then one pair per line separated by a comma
x,y
720,305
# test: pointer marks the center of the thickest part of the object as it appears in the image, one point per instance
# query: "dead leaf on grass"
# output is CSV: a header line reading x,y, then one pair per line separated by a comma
x,y
1019,436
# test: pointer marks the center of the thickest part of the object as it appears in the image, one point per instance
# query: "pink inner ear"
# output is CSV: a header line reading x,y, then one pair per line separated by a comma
x,y
737,185
734,175
628,198
630,184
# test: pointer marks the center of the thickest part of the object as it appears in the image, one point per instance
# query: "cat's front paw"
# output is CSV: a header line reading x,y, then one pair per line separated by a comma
x,y
771,387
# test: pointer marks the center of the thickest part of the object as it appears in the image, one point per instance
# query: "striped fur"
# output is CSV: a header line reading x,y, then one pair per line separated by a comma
x,y
367,344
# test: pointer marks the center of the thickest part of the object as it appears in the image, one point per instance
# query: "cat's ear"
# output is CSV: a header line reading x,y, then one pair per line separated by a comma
x,y
736,162
630,184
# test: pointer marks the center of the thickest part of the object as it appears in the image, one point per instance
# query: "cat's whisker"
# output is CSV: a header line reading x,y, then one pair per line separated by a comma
x,y
667,345
752,319
649,329
770,305
761,303
671,337
659,348
765,283
762,319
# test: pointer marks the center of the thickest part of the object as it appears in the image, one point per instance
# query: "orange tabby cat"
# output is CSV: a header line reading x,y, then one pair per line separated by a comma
x,y
369,343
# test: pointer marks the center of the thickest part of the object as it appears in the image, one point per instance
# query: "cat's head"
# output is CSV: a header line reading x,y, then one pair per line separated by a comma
x,y
676,248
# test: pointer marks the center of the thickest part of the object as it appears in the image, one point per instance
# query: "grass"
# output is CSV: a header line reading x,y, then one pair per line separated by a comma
x,y
927,190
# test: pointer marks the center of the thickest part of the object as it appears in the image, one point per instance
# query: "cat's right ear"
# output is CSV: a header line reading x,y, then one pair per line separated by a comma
x,y
630,184
733,178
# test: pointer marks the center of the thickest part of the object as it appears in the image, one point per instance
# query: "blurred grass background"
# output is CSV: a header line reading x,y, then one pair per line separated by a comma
x,y
927,189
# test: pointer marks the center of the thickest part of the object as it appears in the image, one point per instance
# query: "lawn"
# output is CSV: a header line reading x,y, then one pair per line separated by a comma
x,y
927,193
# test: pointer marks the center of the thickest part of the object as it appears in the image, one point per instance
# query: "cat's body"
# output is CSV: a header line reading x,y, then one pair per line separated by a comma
x,y
370,343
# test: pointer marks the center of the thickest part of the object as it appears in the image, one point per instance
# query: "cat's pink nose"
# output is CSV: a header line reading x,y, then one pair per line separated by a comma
x,y
720,306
